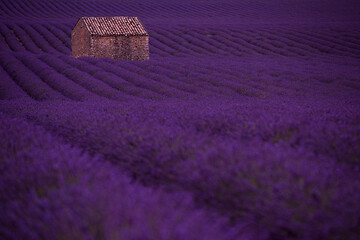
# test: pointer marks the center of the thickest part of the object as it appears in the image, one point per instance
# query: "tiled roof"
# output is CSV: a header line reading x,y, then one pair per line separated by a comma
x,y
110,26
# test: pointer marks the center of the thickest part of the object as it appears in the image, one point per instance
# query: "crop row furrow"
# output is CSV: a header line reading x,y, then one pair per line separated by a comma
x,y
224,47
179,87
126,9
83,79
68,8
63,8
155,49
97,9
195,45
352,42
206,79
45,74
179,76
166,10
249,37
109,10
25,39
235,82
179,40
300,41
318,40
52,40
18,37
3,44
108,78
31,9
27,80
161,86
10,39
241,41
209,44
321,45
182,74
56,10
56,80
4,10
192,10
59,34
8,87
15,9
346,38
198,42
66,28
8,6
221,39
169,45
87,8
20,5
287,41
164,70
65,31
279,46
253,84
250,85
160,42
144,88
188,76
44,8
37,39
74,11
334,43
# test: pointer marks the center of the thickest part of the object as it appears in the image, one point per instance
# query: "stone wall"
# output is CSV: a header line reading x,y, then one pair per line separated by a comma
x,y
121,47
117,47
139,48
103,47
80,41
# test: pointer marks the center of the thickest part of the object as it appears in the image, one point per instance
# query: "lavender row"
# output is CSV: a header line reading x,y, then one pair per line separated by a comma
x,y
175,88
244,12
10,39
9,89
39,40
51,39
25,39
244,78
236,42
281,173
54,79
151,88
109,78
64,38
200,41
194,78
82,79
51,190
27,80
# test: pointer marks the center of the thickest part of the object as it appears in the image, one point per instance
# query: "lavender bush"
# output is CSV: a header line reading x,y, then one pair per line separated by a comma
x,y
53,191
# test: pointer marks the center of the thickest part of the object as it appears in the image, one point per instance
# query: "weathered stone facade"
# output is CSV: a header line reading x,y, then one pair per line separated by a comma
x,y
81,41
130,42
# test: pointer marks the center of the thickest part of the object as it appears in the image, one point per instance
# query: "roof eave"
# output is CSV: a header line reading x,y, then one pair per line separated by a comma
x,y
115,35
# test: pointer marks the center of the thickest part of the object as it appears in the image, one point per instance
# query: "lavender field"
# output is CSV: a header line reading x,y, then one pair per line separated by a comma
x,y
243,125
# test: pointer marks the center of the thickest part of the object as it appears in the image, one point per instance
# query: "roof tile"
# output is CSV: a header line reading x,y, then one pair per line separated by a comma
x,y
110,26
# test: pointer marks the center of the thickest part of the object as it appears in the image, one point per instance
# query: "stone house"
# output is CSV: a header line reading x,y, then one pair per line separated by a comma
x,y
114,37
